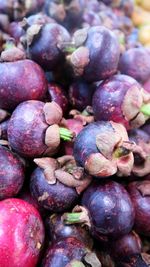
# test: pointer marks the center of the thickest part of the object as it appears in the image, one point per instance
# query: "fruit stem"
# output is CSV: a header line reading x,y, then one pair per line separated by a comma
x,y
121,151
145,109
71,218
79,215
65,134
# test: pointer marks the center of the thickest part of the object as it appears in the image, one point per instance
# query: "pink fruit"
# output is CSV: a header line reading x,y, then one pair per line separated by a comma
x,y
21,234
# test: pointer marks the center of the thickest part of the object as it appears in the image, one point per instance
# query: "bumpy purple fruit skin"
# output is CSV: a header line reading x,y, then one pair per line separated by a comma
x,y
110,210
85,142
135,62
64,251
26,129
80,95
103,53
141,202
12,173
108,98
44,49
58,197
20,81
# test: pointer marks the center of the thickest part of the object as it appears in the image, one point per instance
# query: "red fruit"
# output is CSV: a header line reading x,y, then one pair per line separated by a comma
x,y
19,81
21,234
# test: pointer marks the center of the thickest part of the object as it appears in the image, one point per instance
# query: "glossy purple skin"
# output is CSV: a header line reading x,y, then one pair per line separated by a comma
x,y
85,142
16,31
141,204
135,62
104,54
126,246
108,98
138,136
110,210
133,261
80,95
57,94
26,129
12,173
20,81
62,252
146,128
3,129
58,230
58,197
44,50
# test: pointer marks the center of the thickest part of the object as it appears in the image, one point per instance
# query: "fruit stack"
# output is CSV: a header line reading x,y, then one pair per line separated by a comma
x,y
74,133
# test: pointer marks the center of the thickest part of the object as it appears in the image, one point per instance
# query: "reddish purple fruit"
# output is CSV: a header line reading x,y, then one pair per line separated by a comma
x,y
80,95
126,246
97,55
141,152
121,99
55,197
135,62
19,81
22,234
12,173
107,210
47,48
57,94
58,230
33,129
140,196
101,148
64,251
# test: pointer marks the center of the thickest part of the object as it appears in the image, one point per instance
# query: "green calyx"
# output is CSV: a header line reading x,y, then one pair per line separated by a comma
x,y
145,109
65,134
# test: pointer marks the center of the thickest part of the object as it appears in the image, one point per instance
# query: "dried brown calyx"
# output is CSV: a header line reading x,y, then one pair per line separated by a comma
x,y
65,170
86,116
136,106
53,116
114,156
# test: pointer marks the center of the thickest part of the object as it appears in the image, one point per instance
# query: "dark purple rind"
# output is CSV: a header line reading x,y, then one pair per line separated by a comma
x,y
108,98
57,94
26,129
54,197
142,207
85,142
12,173
62,252
45,48
80,95
104,54
20,81
135,62
133,261
110,210
3,129
126,246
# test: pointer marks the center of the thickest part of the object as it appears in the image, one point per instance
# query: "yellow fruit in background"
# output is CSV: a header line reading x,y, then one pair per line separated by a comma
x,y
144,4
144,34
140,16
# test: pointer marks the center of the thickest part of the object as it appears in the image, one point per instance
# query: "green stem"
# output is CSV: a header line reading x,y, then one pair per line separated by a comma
x,y
71,218
145,109
75,263
120,152
65,134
